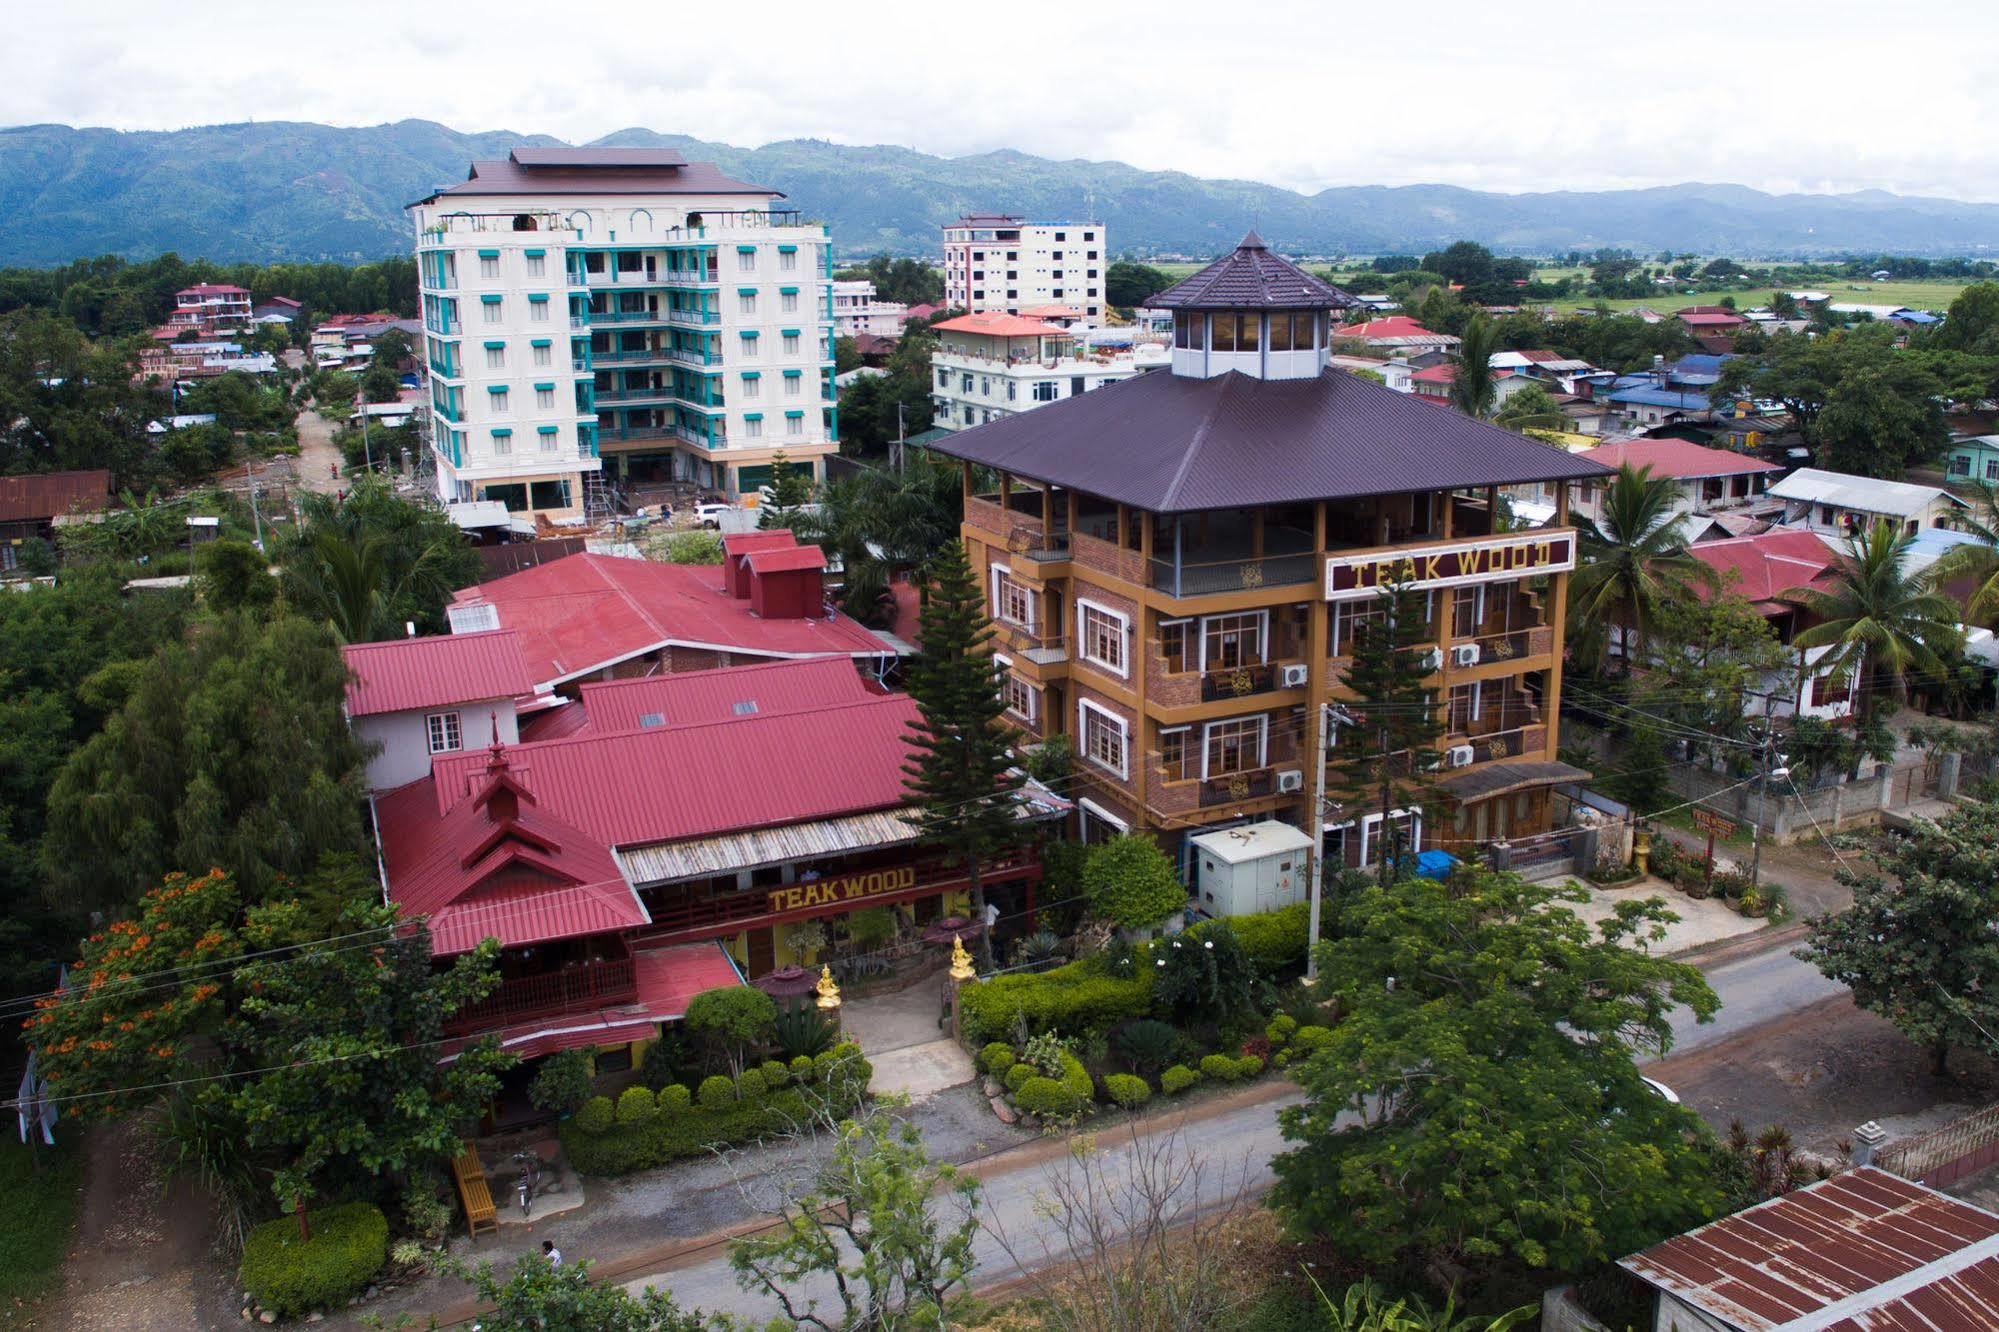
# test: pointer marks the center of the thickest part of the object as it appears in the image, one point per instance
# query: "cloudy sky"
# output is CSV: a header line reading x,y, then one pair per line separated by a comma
x,y
1830,95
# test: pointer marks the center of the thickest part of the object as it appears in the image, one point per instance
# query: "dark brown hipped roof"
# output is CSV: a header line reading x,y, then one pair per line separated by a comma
x,y
48,494
1169,443
598,171
1252,278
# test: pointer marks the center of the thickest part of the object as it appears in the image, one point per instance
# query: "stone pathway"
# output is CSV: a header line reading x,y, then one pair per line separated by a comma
x,y
899,1034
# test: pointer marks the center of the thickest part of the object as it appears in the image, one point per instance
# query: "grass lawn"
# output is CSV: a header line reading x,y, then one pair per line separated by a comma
x,y
37,1215
1683,819
1917,295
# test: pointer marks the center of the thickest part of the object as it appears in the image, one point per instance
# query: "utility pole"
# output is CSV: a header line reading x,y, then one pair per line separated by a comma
x,y
1763,771
250,470
367,452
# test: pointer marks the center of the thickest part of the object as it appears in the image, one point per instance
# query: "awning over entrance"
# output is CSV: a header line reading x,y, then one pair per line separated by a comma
x,y
1494,779
703,857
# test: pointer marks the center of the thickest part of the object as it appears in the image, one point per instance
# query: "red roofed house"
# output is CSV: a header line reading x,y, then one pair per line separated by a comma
x,y
418,698
1398,334
621,876
1864,1251
1712,321
31,505
1767,570
602,617
211,308
1434,381
1709,480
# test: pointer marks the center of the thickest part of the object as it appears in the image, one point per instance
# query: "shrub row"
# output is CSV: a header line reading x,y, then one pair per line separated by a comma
x,y
640,1131
1274,940
1057,1097
290,1276
1079,999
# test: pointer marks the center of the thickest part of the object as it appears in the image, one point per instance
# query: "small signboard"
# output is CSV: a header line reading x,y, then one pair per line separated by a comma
x,y
1713,824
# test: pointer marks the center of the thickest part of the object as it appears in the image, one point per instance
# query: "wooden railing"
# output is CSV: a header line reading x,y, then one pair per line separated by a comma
x,y
1942,1158
571,990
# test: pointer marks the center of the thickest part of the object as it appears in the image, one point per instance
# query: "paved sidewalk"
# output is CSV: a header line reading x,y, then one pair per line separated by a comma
x,y
900,1035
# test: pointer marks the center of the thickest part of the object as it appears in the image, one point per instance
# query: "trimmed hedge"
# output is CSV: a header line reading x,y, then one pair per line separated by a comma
x,y
637,1105
1079,999
674,1098
1280,1030
683,1130
751,1085
290,1276
1220,1068
1177,1079
1311,1038
1248,1066
1059,1097
1017,1074
598,1114
802,1068
1127,1090
775,1073
1274,940
997,1058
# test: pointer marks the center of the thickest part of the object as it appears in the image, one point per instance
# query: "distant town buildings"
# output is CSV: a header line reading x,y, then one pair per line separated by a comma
x,y
998,262
857,310
993,365
620,308
211,309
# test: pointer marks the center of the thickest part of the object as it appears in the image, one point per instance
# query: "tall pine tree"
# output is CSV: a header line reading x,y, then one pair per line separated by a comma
x,y
790,491
1384,755
961,770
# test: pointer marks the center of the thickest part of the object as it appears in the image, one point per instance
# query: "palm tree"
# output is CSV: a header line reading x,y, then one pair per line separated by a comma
x,y
1980,563
1473,390
1634,558
880,520
1880,621
370,564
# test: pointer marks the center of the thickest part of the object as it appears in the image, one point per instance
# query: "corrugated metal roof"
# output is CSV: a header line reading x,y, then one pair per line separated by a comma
x,y
1171,443
1868,494
509,177
1766,565
584,612
47,494
528,155
706,856
402,674
697,697
1680,459
999,324
1864,1251
1252,278
1491,779
786,559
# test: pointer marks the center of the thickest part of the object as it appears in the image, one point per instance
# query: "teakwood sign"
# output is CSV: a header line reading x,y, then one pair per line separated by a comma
x,y
1451,564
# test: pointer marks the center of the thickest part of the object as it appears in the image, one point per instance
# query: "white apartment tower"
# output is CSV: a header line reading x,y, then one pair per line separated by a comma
x,y
624,311
993,261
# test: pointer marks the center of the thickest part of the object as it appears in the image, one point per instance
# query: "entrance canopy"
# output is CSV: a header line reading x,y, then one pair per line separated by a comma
x,y
705,857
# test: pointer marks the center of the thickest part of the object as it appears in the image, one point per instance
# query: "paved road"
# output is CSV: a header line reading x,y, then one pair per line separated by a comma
x,y
1755,989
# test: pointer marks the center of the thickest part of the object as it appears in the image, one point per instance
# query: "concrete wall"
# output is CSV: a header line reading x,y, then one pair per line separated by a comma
x,y
405,738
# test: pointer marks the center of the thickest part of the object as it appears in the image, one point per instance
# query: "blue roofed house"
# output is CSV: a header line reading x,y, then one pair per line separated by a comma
x,y
1974,458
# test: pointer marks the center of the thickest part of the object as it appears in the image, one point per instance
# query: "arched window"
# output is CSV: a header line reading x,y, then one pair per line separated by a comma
x,y
641,218
581,220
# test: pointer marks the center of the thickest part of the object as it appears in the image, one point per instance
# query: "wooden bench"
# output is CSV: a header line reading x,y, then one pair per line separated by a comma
x,y
480,1214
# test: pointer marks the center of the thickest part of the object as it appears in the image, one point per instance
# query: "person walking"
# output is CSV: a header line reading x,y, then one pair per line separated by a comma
x,y
550,1252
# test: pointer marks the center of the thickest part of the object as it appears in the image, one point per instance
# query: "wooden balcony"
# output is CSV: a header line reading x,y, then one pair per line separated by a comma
x,y
575,989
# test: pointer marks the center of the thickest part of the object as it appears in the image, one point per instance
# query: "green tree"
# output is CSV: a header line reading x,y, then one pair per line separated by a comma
x,y
1473,389
1531,408
1483,1022
1710,657
1977,561
1783,305
1383,750
380,382
539,1297
241,401
1972,323
1127,284
735,1019
1634,560
910,281
1917,945
235,575
1639,778
231,749
1882,419
891,1228
345,1043
846,354
69,403
790,492
1881,622
878,409
1132,883
961,771
374,562
880,520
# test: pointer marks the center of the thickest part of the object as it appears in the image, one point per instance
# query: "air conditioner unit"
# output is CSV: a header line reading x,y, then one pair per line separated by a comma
x,y
1433,660
1290,781
1293,677
1465,655
1461,756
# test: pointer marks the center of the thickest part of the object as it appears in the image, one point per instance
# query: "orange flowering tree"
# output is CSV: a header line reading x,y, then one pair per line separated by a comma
x,y
140,997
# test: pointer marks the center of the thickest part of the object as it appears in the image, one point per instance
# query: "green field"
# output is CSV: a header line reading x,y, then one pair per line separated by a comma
x,y
37,1216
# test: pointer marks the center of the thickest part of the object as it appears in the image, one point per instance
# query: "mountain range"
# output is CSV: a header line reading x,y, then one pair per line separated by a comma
x,y
283,190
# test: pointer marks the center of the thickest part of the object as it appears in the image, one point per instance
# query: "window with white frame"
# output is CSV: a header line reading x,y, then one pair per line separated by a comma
x,y
1234,745
749,346
791,385
544,397
1013,600
537,265
497,399
794,425
1099,825
1100,635
1105,738
746,302
1229,642
1021,698
538,311
753,386
503,443
788,302
489,266
544,356
1176,756
1044,391
550,441
791,344
495,311
753,428
1405,829
787,261
444,733
496,358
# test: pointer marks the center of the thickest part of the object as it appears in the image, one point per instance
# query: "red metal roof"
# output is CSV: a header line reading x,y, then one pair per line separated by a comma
x,y
1394,326
1680,459
213,289
44,495
742,543
1826,1252
669,977
697,697
402,674
1446,373
584,612
786,559
1711,319
1766,566
999,324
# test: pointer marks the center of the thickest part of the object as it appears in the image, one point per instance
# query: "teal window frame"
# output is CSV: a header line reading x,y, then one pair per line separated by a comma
x,y
503,432
492,300
749,333
544,388
795,414
538,297
753,416
746,249
753,374
496,388
542,342
548,430
787,291
535,254
489,254
496,342
793,374
787,249
789,332
746,291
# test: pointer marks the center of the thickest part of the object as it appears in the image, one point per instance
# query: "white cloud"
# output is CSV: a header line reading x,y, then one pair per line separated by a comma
x,y
1568,94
